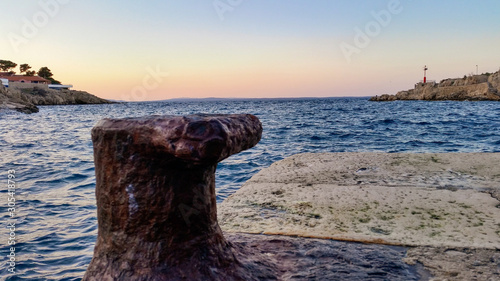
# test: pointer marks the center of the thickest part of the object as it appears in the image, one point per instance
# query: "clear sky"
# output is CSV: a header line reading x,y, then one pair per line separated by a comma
x,y
153,50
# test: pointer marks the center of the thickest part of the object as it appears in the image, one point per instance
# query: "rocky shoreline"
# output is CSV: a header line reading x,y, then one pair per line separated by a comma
x,y
484,87
26,100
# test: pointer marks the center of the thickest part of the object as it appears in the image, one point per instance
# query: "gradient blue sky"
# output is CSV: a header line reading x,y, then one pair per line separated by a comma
x,y
123,49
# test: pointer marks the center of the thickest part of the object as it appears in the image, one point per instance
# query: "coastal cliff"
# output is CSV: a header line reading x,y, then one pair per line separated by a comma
x,y
26,100
484,87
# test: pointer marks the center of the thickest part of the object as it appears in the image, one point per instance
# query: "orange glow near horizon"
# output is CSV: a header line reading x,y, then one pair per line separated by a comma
x,y
223,84
259,50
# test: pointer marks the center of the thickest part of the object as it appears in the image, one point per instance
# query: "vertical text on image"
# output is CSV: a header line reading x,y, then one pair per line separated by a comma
x,y
11,223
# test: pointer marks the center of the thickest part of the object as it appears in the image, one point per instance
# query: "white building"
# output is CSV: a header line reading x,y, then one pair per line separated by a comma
x,y
5,82
60,87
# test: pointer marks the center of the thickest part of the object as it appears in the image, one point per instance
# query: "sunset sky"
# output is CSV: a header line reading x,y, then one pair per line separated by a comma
x,y
154,50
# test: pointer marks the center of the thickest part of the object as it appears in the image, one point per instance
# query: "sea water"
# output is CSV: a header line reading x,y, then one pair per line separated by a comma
x,y
52,156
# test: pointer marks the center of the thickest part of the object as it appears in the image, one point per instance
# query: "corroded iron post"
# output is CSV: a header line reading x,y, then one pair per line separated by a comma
x,y
156,203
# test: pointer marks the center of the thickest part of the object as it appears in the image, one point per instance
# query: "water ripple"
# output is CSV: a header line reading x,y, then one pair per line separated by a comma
x,y
53,157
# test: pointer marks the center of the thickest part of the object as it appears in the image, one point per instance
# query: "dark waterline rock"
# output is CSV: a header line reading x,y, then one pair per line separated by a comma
x,y
297,258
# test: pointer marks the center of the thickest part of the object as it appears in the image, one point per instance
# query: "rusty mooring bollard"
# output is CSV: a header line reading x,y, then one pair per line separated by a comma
x,y
156,204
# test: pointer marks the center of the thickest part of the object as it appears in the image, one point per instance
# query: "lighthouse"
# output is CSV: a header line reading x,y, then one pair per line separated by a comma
x,y
425,74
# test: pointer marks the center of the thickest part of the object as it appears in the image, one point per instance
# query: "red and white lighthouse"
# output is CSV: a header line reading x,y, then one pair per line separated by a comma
x,y
425,74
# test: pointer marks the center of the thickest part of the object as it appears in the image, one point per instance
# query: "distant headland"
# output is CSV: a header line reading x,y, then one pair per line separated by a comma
x,y
24,92
483,87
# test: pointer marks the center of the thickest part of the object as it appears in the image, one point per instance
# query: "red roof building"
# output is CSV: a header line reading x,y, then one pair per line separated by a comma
x,y
26,79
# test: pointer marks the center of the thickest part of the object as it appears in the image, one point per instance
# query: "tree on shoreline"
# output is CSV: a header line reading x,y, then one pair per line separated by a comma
x,y
23,68
46,73
7,65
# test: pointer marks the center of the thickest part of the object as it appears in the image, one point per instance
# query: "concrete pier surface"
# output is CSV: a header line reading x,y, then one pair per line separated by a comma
x,y
444,206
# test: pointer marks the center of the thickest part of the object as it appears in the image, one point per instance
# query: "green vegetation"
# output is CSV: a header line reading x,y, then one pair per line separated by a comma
x,y
44,72
7,65
24,67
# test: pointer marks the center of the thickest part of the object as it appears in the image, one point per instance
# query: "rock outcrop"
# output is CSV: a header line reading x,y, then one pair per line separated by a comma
x,y
471,88
156,201
8,102
26,100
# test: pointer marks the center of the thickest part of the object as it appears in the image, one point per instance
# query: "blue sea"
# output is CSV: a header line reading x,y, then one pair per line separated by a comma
x,y
52,156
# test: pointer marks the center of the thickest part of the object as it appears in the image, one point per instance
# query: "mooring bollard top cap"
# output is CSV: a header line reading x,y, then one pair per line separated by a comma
x,y
199,138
